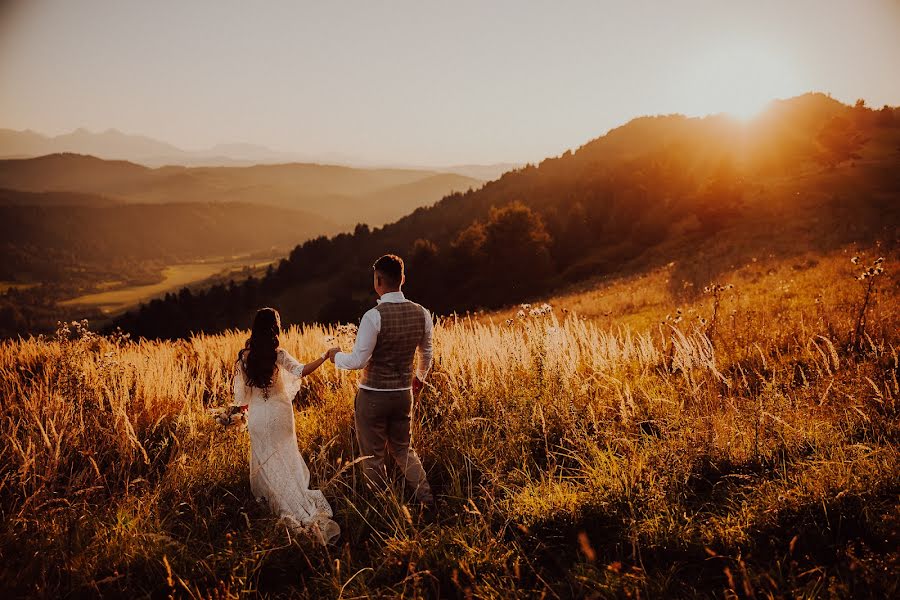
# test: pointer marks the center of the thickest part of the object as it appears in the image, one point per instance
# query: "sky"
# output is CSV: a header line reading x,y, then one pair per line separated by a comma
x,y
426,83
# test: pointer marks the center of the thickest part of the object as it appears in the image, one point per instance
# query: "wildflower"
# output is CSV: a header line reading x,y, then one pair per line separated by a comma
x,y
874,270
715,288
540,311
855,260
674,319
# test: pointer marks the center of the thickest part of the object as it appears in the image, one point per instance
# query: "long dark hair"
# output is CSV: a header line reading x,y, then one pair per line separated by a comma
x,y
259,353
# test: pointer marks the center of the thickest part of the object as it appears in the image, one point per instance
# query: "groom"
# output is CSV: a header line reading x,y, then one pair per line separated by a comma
x,y
389,337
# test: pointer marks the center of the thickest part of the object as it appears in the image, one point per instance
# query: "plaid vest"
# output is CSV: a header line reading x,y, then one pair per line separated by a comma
x,y
402,330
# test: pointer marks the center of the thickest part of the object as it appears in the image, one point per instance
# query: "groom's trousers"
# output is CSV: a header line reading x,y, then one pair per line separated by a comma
x,y
383,423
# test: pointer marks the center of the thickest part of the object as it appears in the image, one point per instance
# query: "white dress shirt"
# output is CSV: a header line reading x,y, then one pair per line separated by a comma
x,y
367,335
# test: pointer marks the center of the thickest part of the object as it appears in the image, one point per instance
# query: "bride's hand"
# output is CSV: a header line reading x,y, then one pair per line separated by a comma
x,y
331,353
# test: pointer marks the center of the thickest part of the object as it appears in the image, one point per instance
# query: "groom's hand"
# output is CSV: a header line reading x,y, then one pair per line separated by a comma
x,y
332,352
417,386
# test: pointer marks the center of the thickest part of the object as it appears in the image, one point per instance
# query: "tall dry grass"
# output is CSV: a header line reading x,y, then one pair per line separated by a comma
x,y
635,452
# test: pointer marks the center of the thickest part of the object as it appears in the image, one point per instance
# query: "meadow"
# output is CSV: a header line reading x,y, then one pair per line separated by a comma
x,y
174,278
639,438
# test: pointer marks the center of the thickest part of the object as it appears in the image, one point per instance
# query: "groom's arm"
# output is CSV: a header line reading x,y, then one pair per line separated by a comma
x,y
425,349
366,337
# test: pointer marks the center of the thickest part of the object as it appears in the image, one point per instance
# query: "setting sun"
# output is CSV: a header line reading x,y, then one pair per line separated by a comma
x,y
740,80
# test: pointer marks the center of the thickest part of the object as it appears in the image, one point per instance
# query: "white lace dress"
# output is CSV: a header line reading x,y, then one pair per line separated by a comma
x,y
278,473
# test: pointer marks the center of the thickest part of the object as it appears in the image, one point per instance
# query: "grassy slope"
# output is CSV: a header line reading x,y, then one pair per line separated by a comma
x,y
610,456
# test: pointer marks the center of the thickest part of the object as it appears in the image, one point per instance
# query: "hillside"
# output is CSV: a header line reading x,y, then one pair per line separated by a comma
x,y
58,246
54,242
19,198
626,444
809,169
343,195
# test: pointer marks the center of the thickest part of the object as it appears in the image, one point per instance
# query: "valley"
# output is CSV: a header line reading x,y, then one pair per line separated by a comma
x,y
113,298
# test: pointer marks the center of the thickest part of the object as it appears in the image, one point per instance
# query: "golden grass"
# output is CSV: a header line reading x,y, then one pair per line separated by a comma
x,y
600,451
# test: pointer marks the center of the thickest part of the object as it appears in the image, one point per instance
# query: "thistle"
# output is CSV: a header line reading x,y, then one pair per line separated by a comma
x,y
869,274
715,290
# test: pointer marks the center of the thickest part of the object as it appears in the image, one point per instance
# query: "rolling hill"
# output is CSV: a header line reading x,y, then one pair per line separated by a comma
x,y
809,173
343,195
65,243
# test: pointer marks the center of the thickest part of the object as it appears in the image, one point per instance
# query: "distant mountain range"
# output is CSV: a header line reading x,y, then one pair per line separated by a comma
x,y
344,196
113,144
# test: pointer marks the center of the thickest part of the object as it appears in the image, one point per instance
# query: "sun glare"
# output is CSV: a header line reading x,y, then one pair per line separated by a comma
x,y
740,81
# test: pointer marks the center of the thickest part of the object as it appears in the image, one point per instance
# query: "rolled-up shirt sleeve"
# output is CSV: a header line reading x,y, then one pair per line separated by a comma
x,y
425,350
366,337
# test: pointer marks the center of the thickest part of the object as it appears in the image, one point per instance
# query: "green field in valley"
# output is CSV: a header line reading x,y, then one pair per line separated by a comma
x,y
175,277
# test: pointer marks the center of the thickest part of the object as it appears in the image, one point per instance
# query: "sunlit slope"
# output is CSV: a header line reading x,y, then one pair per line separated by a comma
x,y
808,175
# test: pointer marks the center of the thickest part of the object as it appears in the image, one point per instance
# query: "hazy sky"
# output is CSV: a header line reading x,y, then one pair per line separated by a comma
x,y
426,82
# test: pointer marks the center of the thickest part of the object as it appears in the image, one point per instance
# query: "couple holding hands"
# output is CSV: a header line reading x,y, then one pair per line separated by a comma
x,y
389,338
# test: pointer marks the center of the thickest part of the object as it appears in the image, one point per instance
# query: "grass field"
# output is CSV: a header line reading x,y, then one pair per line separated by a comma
x,y
642,440
175,277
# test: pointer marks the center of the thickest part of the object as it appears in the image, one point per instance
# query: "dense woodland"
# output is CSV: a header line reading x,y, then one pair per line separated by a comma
x,y
654,186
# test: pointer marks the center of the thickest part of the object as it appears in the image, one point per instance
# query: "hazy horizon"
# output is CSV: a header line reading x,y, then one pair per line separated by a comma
x,y
423,84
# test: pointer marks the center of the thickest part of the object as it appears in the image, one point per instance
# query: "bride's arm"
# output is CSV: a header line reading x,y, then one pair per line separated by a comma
x,y
241,390
293,366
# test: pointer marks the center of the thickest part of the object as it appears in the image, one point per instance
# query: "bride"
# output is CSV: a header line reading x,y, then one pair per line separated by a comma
x,y
265,382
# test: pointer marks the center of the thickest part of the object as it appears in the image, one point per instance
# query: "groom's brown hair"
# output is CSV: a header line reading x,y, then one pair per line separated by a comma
x,y
390,267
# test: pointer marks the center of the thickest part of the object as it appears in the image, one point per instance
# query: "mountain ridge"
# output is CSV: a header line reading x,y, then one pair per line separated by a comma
x,y
344,195
113,144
